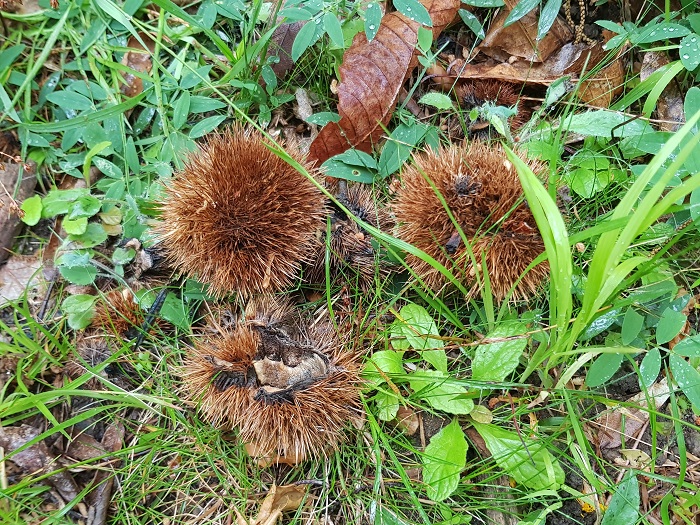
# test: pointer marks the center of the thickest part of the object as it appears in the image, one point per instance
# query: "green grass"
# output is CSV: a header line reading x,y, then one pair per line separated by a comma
x,y
639,259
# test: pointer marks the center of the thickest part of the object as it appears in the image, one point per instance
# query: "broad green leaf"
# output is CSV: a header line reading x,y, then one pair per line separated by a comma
x,y
687,378
547,16
624,505
416,325
436,100
388,361
604,123
473,23
649,368
670,325
526,460
70,100
205,126
32,210
322,118
175,311
93,235
688,347
522,8
373,17
353,165
690,51
414,10
76,268
181,109
485,3
306,37
75,226
495,361
631,326
333,29
387,405
655,32
603,368
79,309
440,392
398,148
443,460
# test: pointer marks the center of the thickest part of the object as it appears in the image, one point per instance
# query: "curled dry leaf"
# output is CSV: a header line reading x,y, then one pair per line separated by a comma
x,y
520,39
139,60
280,499
371,77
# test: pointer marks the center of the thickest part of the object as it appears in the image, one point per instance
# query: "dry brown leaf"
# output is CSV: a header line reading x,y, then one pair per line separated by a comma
x,y
138,60
36,459
569,60
278,500
669,108
263,460
371,77
408,420
632,419
17,276
601,89
520,39
281,46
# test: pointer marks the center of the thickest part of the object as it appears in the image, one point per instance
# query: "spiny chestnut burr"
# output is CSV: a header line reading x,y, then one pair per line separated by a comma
x,y
349,245
483,193
284,381
473,93
238,217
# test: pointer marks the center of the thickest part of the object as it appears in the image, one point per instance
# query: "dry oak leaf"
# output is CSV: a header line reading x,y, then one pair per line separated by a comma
x,y
371,77
520,39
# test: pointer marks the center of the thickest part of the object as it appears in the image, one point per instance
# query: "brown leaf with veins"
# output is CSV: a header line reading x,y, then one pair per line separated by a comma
x,y
371,77
520,39
139,59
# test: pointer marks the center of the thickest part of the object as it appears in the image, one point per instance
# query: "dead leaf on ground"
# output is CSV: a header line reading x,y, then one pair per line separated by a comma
x,y
10,213
280,499
281,43
520,39
629,419
569,60
36,459
669,108
372,75
139,60
18,275
604,86
408,420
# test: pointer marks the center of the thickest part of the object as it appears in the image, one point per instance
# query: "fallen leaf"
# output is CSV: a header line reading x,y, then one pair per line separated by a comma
x,y
36,459
17,276
631,417
281,43
408,420
520,39
371,75
601,89
278,500
138,60
669,108
265,460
